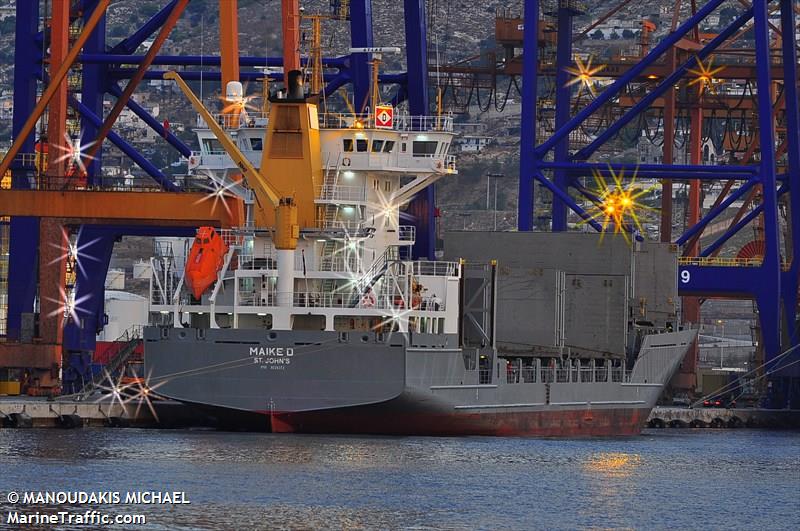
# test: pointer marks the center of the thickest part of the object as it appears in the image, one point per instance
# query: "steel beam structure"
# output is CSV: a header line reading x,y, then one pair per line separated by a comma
x,y
565,17
423,206
229,41
360,37
773,283
133,83
528,167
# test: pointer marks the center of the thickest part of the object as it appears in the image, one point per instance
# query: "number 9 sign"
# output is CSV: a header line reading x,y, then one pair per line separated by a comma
x,y
686,276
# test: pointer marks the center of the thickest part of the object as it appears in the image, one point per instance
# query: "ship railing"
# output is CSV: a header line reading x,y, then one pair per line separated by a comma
x,y
338,264
242,120
338,192
484,376
311,299
407,233
600,374
341,224
401,122
255,298
317,299
515,374
430,304
434,269
249,262
586,374
232,237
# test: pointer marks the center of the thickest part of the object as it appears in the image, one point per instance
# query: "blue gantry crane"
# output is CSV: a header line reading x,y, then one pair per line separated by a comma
x,y
772,281
548,160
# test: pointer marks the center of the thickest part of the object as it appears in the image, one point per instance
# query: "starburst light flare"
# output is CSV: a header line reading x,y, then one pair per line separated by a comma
x,y
68,306
584,74
218,191
74,252
617,204
75,152
240,105
143,393
704,75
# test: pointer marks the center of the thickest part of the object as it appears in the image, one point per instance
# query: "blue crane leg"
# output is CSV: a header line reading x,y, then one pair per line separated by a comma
x,y
360,37
789,280
24,231
527,159
93,90
768,289
563,96
424,203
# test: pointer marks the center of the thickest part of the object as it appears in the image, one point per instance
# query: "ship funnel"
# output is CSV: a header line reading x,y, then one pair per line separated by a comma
x,y
234,91
295,89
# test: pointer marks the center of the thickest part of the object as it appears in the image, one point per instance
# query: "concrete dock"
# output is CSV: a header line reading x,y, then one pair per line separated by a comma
x,y
36,412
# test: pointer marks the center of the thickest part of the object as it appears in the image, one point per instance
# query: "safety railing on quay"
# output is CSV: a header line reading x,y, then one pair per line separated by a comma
x,y
720,261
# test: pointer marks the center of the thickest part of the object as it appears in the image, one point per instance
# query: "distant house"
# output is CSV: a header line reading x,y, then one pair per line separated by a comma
x,y
472,143
651,152
469,128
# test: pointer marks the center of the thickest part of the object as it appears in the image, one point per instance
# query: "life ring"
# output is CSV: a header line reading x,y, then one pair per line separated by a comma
x,y
345,162
368,300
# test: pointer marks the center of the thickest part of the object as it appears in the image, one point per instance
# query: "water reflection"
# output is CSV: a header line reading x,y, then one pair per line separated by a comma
x,y
263,481
613,464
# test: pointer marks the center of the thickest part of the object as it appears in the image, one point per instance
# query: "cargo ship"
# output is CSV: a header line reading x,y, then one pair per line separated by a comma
x,y
313,317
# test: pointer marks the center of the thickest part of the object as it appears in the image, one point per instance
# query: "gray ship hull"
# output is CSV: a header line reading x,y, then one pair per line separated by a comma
x,y
328,382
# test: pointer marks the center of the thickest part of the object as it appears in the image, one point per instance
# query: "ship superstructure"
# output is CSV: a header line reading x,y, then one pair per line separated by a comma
x,y
338,329
351,267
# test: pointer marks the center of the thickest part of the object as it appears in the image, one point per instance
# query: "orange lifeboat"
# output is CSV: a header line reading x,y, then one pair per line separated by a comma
x,y
205,260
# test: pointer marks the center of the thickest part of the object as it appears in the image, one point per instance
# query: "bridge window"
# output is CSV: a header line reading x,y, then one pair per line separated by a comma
x,y
256,144
377,146
347,144
388,146
424,148
361,145
212,146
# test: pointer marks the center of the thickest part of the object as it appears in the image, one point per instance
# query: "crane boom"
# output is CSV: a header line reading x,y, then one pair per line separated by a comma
x,y
287,231
260,186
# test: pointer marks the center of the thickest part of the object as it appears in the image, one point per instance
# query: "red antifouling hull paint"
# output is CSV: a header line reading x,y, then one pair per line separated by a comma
x,y
555,423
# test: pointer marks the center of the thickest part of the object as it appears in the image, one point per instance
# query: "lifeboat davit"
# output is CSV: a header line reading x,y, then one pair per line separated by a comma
x,y
205,260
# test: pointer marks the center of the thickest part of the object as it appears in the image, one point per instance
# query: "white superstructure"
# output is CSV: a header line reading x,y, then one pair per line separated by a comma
x,y
353,270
